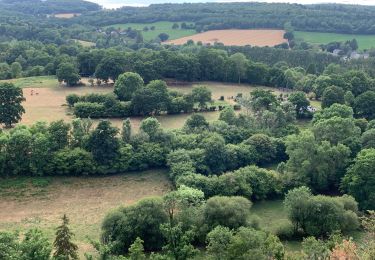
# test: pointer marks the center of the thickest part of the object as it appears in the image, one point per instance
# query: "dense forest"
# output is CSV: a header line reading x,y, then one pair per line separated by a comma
x,y
208,16
39,7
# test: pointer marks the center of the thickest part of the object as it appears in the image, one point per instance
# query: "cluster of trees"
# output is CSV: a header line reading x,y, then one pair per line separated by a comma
x,y
174,225
209,16
132,97
31,58
79,149
182,220
322,157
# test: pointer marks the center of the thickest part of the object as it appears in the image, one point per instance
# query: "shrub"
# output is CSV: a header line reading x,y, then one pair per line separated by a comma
x,y
71,99
231,212
87,109
122,227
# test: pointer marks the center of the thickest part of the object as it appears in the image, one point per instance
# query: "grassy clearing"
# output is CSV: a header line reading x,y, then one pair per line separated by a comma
x,y
365,42
34,82
272,215
85,43
40,202
160,27
50,104
66,15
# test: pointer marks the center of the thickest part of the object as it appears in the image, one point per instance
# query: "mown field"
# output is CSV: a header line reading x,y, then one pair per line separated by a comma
x,y
40,202
45,100
160,27
66,15
365,42
234,37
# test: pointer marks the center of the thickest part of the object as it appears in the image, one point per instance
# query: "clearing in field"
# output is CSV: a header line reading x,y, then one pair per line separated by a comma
x,y
66,15
85,43
40,202
160,27
259,38
365,42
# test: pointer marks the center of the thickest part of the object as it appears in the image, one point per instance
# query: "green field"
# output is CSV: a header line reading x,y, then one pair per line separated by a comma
x,y
365,42
160,27
34,82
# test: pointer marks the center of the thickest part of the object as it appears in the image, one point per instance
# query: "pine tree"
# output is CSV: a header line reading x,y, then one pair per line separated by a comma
x,y
64,248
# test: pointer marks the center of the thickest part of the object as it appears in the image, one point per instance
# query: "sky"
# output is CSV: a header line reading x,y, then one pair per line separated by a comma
x,y
119,3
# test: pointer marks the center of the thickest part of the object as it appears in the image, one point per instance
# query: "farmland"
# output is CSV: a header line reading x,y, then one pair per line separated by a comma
x,y
66,15
49,102
364,41
259,38
40,202
160,27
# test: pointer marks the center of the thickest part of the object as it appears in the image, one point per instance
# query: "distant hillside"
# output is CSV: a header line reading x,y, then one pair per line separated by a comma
x,y
37,7
353,19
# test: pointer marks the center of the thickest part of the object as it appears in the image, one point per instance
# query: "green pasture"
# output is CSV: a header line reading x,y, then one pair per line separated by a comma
x,y
365,42
160,27
34,82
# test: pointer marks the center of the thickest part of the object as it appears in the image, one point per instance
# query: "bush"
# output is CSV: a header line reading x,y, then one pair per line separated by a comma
x,y
122,227
285,231
89,110
231,212
72,162
71,99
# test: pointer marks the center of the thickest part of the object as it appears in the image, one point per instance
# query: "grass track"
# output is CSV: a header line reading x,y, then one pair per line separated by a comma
x,y
160,27
364,41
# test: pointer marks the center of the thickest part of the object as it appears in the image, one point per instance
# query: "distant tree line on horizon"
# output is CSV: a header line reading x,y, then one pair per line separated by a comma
x,y
352,19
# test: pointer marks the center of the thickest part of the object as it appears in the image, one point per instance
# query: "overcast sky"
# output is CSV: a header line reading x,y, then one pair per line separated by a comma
x,y
119,3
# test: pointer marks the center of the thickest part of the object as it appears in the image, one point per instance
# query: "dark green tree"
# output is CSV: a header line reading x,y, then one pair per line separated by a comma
x,y
301,103
67,73
103,143
11,109
202,95
65,249
127,84
333,95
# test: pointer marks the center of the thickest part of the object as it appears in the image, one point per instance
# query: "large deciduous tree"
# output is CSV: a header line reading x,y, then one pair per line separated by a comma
x,y
103,143
359,181
127,84
68,73
11,109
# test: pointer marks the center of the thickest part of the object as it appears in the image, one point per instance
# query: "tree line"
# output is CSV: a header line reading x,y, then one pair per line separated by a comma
x,y
209,16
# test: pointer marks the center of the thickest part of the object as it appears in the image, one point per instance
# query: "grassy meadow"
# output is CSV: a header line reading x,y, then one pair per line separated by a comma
x,y
34,82
365,42
160,27
41,201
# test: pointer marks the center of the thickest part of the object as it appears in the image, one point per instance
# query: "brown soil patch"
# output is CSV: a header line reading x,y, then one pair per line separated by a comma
x,y
259,38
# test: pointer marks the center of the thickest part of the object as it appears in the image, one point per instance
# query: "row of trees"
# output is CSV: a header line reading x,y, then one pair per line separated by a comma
x,y
132,97
210,16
